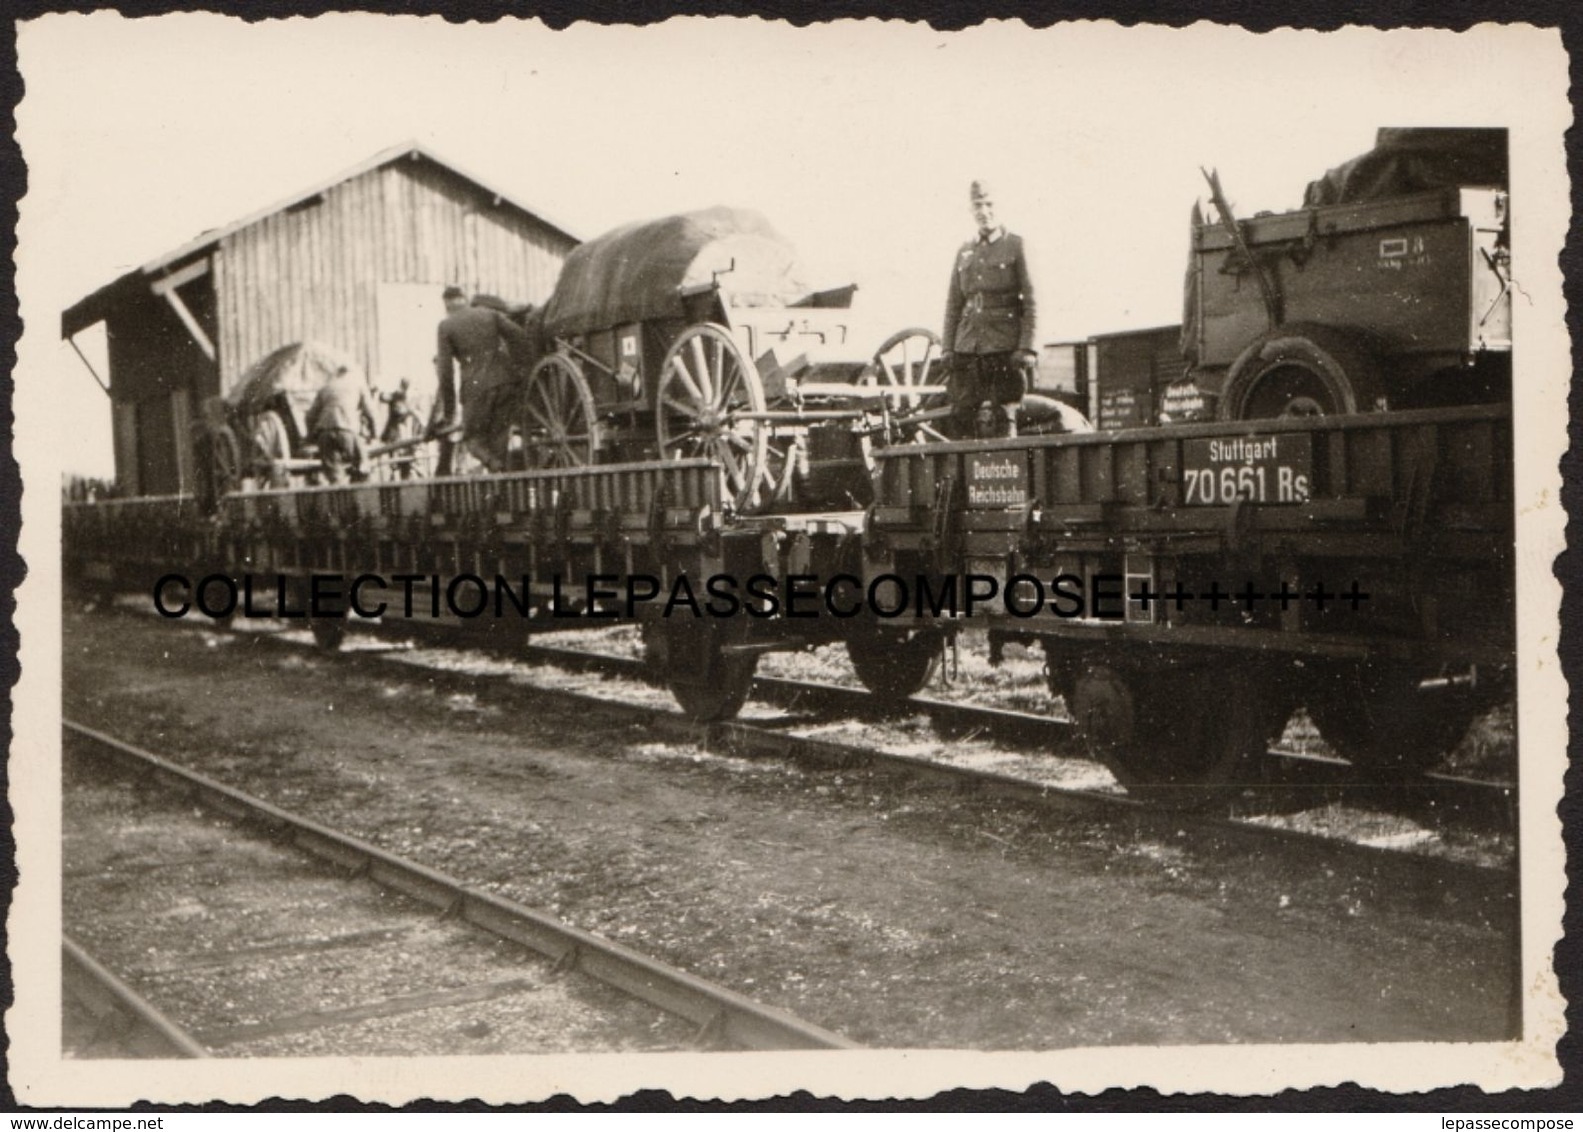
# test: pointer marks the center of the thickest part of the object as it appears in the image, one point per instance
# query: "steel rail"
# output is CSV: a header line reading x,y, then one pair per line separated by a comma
x,y
771,739
723,1016
1433,798
759,739
137,1025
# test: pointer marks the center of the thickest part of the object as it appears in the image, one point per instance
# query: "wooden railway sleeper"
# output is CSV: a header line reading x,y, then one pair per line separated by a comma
x,y
712,1034
568,961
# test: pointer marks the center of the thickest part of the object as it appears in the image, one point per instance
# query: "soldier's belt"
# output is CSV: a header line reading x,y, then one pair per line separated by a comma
x,y
979,302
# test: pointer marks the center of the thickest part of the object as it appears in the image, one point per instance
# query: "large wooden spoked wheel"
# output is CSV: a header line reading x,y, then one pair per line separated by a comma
x,y
559,425
271,448
1173,739
907,360
706,383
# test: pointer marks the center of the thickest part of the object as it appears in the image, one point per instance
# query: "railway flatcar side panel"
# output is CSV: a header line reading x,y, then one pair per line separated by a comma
x,y
1412,502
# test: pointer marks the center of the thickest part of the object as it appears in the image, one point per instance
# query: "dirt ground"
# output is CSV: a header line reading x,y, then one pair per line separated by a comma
x,y
898,916
259,951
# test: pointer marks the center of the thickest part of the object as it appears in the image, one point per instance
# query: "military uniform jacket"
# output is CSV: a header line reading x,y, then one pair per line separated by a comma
x,y
989,308
472,337
342,403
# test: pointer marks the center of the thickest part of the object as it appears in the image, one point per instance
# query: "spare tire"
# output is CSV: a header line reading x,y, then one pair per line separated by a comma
x,y
1302,370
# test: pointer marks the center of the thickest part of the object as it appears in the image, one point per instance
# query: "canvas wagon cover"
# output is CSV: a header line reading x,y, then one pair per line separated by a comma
x,y
299,371
1407,160
636,272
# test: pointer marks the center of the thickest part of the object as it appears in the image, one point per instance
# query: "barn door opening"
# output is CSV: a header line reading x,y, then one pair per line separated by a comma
x,y
409,316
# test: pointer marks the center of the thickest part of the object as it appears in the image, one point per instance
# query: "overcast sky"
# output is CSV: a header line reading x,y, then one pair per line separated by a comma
x,y
857,140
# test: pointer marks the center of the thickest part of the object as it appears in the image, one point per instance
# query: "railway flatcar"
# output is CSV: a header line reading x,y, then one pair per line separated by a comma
x,y
1190,585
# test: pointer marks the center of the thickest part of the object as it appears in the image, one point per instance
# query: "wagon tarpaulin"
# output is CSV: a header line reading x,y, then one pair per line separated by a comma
x,y
636,272
1408,160
299,371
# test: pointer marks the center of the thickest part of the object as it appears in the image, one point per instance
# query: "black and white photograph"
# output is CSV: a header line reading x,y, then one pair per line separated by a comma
x,y
737,558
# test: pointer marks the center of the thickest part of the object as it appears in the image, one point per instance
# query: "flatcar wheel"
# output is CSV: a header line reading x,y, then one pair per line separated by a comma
x,y
706,384
1171,738
891,664
709,683
907,360
329,629
1378,717
560,428
328,632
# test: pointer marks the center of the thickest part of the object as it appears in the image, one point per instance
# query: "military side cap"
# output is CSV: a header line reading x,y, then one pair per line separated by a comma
x,y
453,293
979,190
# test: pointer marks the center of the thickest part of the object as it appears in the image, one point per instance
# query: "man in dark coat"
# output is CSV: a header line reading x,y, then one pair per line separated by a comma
x,y
475,352
341,415
989,324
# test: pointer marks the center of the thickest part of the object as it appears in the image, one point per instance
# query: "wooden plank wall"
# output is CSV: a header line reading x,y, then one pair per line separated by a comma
x,y
313,271
159,378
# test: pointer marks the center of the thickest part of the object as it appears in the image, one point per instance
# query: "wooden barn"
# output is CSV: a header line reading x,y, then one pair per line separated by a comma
x,y
358,263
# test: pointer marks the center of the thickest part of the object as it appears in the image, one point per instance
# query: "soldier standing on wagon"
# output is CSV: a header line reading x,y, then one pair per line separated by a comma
x,y
341,416
475,341
989,324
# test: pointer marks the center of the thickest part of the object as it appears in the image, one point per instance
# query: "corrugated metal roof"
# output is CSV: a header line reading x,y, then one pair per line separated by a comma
x,y
89,309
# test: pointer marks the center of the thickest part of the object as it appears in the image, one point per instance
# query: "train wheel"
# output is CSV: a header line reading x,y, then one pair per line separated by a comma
x,y
328,632
1301,371
1168,737
560,428
708,682
706,384
909,359
329,629
1378,717
891,664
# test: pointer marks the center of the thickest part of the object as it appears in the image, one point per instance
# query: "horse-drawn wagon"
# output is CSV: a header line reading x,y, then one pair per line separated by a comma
x,y
258,433
696,336
259,430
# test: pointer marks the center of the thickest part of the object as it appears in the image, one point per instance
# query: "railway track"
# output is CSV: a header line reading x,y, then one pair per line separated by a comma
x,y
1241,830
1287,782
721,1017
116,1019
1300,780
